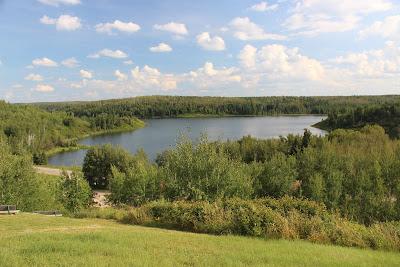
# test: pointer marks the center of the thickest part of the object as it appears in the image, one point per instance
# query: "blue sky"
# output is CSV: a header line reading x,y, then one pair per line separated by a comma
x,y
56,50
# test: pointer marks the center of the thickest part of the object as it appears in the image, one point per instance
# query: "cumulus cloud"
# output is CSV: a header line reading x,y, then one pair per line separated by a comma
x,y
263,6
70,62
208,77
117,25
44,62
63,22
109,53
247,56
379,63
207,42
244,29
388,28
160,48
85,74
172,27
149,77
120,75
278,62
34,77
322,16
60,2
44,88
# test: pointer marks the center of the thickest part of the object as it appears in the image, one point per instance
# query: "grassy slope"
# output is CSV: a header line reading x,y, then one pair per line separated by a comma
x,y
35,240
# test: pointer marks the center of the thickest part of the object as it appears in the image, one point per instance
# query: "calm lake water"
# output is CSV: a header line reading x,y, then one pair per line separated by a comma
x,y
162,134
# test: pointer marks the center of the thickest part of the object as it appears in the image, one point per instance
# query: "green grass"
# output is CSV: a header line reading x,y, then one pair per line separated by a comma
x,y
36,240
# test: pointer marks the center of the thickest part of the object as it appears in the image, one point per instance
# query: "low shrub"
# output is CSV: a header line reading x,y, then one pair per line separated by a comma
x,y
288,218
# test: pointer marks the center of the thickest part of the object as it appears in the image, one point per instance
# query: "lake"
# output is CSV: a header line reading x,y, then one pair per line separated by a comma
x,y
162,134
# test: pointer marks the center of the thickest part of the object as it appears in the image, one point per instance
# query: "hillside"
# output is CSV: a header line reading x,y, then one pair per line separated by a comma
x,y
36,240
29,128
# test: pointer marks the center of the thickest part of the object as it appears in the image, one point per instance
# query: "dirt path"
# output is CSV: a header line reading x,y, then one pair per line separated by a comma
x,y
49,171
99,196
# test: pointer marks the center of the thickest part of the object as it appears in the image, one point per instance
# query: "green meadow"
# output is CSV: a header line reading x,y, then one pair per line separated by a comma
x,y
37,240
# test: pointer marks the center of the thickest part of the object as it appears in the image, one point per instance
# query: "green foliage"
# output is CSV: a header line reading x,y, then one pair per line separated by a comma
x,y
203,171
387,116
98,163
39,158
74,192
138,185
20,186
277,177
287,218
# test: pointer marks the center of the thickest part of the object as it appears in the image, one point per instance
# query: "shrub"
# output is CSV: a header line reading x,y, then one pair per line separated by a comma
x,y
75,192
287,218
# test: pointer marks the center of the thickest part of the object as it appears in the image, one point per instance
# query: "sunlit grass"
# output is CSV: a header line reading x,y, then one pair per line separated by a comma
x,y
36,240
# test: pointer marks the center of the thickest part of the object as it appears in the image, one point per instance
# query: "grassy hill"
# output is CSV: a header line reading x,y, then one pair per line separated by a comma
x,y
36,240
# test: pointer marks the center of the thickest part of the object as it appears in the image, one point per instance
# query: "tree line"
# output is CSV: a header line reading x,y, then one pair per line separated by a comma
x,y
387,116
175,106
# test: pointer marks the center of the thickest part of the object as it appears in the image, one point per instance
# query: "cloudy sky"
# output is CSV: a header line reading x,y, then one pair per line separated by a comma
x,y
56,50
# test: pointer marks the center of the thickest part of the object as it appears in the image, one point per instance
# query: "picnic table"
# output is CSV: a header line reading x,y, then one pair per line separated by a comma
x,y
8,209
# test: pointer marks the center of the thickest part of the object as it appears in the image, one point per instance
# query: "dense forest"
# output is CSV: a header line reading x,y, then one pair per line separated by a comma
x,y
387,116
175,106
27,128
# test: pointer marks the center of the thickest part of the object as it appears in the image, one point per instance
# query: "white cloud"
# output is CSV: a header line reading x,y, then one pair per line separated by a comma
x,y
245,30
263,6
160,48
278,62
208,77
34,77
126,27
120,75
207,42
63,22
322,16
149,77
60,2
70,62
44,62
389,28
378,63
247,56
44,88
109,53
173,27
85,74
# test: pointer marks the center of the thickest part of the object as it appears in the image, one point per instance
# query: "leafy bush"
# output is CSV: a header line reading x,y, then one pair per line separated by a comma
x,y
75,192
203,172
288,218
21,186
98,163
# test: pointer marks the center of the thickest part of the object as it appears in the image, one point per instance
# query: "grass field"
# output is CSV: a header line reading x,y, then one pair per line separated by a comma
x,y
36,240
